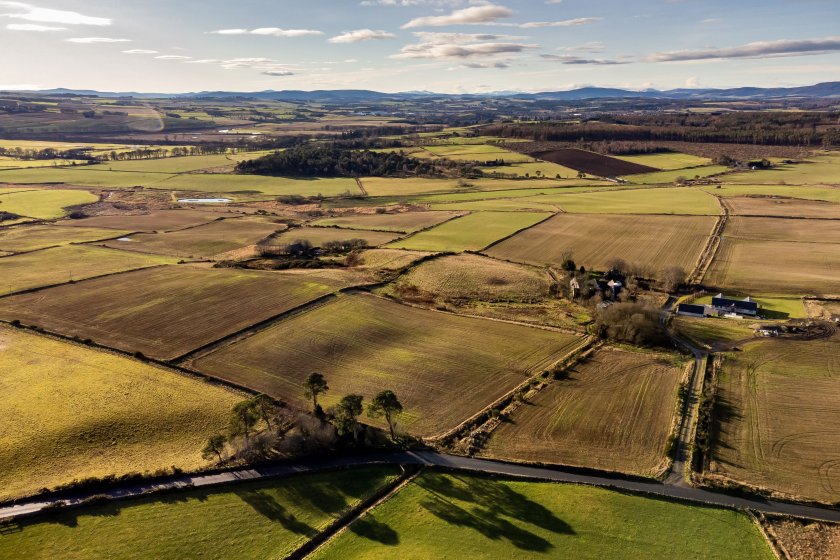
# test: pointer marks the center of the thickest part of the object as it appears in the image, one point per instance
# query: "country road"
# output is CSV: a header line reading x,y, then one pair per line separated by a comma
x,y
463,464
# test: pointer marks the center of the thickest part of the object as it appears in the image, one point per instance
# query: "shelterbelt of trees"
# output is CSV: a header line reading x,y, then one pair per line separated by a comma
x,y
770,128
332,161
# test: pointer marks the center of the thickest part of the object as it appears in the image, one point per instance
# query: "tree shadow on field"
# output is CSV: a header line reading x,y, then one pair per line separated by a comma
x,y
266,505
488,506
328,499
368,527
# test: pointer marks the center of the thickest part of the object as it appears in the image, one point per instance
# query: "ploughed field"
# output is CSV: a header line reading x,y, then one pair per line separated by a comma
x,y
29,238
169,311
444,367
441,515
159,220
613,412
651,242
405,222
592,163
71,412
783,207
777,418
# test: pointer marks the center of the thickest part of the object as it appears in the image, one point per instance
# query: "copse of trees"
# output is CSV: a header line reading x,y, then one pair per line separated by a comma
x,y
635,323
331,161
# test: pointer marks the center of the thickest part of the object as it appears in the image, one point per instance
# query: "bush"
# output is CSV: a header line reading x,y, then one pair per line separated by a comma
x,y
635,323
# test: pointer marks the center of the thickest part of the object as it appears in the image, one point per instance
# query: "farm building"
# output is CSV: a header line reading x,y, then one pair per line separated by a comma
x,y
691,310
742,307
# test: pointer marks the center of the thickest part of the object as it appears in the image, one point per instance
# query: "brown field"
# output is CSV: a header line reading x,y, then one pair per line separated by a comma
x,y
405,222
781,229
777,418
613,412
780,206
161,220
651,242
804,539
471,277
389,259
443,367
202,241
166,312
30,238
592,163
318,236
779,267
69,263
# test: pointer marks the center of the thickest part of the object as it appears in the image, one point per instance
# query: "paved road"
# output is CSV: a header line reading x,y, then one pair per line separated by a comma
x,y
466,464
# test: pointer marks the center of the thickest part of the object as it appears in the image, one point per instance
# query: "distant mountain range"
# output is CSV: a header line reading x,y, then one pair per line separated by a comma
x,y
823,90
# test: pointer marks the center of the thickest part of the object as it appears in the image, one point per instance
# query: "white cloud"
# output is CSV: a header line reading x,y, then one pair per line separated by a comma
x,y
33,27
278,73
139,51
173,57
593,47
91,40
361,35
562,23
268,31
411,2
692,82
460,50
29,12
576,60
761,49
487,13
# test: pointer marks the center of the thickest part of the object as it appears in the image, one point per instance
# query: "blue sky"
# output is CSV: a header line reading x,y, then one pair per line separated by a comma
x,y
403,45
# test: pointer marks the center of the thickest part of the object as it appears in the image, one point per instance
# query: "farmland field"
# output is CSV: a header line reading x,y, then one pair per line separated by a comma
x,y
473,152
785,207
201,241
778,418
320,235
160,220
807,268
71,412
471,232
413,186
533,169
614,412
661,177
688,201
446,515
817,170
404,222
183,164
170,310
804,192
364,344
666,161
654,242
267,519
68,263
85,176
592,163
389,259
28,238
713,331
44,204
464,277
780,229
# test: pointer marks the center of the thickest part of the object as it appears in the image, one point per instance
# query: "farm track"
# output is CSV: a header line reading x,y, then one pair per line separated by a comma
x,y
430,459
712,247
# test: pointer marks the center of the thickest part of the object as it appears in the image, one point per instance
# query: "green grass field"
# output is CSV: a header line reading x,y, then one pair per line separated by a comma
x,y
255,520
71,412
470,517
159,220
662,177
68,263
85,176
817,170
14,163
689,201
415,186
472,232
180,164
404,222
43,204
523,191
667,161
805,192
443,367
29,238
534,169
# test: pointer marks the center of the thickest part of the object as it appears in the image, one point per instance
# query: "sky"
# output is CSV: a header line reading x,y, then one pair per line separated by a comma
x,y
448,46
